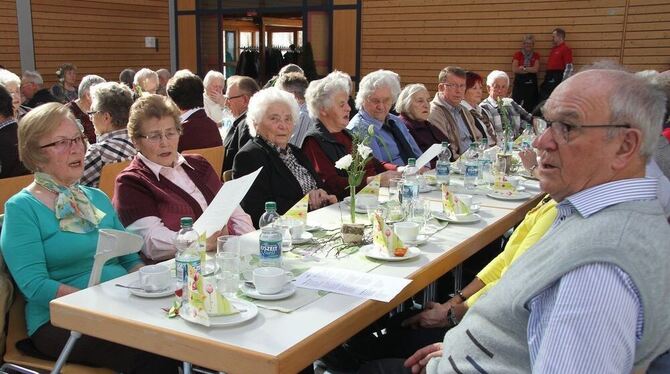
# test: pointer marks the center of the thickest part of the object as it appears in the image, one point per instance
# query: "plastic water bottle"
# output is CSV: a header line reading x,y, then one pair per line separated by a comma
x,y
443,165
227,120
471,166
410,185
271,239
187,254
527,137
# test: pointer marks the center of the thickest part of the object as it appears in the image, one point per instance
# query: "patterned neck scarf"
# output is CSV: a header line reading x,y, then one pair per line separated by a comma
x,y
484,119
301,174
527,57
74,211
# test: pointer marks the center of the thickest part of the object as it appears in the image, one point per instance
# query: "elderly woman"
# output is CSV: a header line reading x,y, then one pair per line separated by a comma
x,y
145,81
287,174
10,165
376,95
497,84
414,107
525,65
471,100
81,107
12,83
213,96
161,185
329,140
65,90
110,108
50,234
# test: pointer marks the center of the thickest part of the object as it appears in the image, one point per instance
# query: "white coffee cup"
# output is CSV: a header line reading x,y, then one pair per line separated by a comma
x,y
514,181
296,227
466,199
155,277
407,231
270,280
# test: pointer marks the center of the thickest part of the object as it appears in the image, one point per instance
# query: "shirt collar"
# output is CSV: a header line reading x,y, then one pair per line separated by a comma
x,y
113,134
156,168
188,113
369,119
7,122
469,107
450,107
594,199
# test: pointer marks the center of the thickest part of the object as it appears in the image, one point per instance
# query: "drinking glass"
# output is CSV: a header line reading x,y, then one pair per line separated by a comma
x,y
381,210
394,188
228,277
421,212
228,243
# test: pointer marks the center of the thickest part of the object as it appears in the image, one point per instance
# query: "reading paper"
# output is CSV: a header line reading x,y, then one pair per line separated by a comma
x,y
353,283
429,155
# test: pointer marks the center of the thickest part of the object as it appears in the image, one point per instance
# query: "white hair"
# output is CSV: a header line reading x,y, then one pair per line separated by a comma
x,y
143,75
375,80
33,76
495,75
320,92
404,101
87,82
211,75
261,101
7,77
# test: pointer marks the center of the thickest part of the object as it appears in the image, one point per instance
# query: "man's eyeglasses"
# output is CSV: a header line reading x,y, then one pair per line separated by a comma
x,y
92,113
157,136
454,85
232,97
563,130
65,144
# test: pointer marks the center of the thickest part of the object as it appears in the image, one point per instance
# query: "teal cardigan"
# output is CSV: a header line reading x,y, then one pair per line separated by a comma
x,y
40,257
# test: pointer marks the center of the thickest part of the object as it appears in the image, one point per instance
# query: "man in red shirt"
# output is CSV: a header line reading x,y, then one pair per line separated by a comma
x,y
559,64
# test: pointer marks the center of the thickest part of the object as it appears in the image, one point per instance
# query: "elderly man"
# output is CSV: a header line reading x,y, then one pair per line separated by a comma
x,y
392,141
145,81
296,84
447,114
590,295
32,90
163,77
497,85
81,107
213,97
238,92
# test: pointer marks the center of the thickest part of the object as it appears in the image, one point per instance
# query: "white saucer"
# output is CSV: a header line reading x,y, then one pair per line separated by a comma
x,y
306,236
372,252
151,295
420,240
474,208
288,290
470,218
249,311
508,195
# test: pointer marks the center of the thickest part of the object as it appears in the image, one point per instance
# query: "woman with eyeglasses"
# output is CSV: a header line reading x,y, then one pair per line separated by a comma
x,y
49,239
161,185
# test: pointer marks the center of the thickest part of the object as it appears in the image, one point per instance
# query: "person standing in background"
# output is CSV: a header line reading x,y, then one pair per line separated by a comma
x,y
525,65
559,64
66,88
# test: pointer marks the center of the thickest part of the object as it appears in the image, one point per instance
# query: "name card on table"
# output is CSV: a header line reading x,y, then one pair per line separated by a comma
x,y
428,155
221,208
353,283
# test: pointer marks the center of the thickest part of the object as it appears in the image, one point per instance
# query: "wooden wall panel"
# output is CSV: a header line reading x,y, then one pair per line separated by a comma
x,y
9,37
187,43
100,37
344,41
417,38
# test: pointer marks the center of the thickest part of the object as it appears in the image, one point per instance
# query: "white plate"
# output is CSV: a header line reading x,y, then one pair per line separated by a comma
x,y
420,240
360,208
471,218
250,311
151,295
474,208
372,252
508,195
288,290
306,236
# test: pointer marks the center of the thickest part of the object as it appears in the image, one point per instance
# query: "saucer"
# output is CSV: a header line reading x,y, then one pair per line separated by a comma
x,y
304,238
288,290
508,195
151,295
470,218
420,240
474,208
359,207
372,252
426,188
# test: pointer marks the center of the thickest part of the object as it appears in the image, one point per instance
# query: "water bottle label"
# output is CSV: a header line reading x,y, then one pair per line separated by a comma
x,y
409,191
442,170
181,266
471,170
270,249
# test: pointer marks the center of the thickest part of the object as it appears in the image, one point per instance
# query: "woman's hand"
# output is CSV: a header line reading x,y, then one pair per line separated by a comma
x,y
319,198
418,361
211,241
435,315
216,96
385,177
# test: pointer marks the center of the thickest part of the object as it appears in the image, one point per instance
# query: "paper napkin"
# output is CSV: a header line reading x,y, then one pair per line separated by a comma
x,y
451,204
383,237
195,311
502,183
299,210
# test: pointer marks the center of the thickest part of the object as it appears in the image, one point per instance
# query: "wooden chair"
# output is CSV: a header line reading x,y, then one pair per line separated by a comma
x,y
108,176
213,155
11,186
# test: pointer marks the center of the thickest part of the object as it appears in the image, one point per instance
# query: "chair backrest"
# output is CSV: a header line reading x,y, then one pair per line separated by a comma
x,y
213,155
11,186
227,175
108,176
112,243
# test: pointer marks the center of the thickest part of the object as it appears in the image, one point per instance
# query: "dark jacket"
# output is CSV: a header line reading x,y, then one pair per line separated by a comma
x,y
236,138
333,149
40,97
199,131
10,165
274,183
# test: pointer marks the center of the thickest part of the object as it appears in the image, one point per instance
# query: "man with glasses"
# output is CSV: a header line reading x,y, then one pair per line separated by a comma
x,y
447,114
590,295
238,92
33,91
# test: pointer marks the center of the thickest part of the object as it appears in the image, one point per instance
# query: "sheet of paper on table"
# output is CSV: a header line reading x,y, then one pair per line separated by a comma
x,y
353,283
230,195
429,155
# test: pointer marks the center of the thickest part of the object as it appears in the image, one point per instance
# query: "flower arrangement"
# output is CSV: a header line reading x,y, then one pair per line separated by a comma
x,y
508,130
354,164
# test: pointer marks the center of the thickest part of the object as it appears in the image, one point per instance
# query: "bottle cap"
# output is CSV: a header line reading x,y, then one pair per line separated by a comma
x,y
186,221
411,162
270,205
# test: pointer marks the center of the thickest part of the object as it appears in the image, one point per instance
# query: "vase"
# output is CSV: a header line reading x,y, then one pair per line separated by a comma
x,y
353,232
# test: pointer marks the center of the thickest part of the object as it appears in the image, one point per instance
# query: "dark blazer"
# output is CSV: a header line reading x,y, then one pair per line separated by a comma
x,y
236,138
199,131
274,183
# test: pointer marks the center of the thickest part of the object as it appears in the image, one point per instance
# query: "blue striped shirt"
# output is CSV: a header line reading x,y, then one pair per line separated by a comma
x,y
590,320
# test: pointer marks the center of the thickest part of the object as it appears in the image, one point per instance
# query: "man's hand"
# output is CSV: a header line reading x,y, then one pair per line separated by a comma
x,y
418,361
435,315
385,177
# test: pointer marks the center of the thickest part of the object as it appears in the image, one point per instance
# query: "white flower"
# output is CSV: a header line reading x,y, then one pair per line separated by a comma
x,y
344,162
364,151
507,101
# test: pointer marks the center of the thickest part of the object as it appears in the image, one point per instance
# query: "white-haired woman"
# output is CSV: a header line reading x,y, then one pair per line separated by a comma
x,y
287,174
525,65
328,140
213,98
413,105
145,81
497,84
376,95
81,107
12,83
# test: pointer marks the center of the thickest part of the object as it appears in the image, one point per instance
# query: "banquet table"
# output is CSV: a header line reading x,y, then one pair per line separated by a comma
x,y
274,341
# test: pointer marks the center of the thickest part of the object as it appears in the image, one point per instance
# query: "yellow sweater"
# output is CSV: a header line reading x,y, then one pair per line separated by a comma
x,y
532,228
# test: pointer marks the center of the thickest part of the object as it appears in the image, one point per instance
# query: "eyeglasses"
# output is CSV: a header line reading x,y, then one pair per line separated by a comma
x,y
454,85
375,101
157,136
92,113
563,130
65,144
232,97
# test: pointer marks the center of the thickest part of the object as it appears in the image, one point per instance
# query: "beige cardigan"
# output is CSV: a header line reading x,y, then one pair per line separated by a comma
x,y
441,117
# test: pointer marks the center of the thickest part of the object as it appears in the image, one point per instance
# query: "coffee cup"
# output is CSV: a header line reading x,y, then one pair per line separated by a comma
x,y
514,181
466,199
407,231
296,228
270,280
155,278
